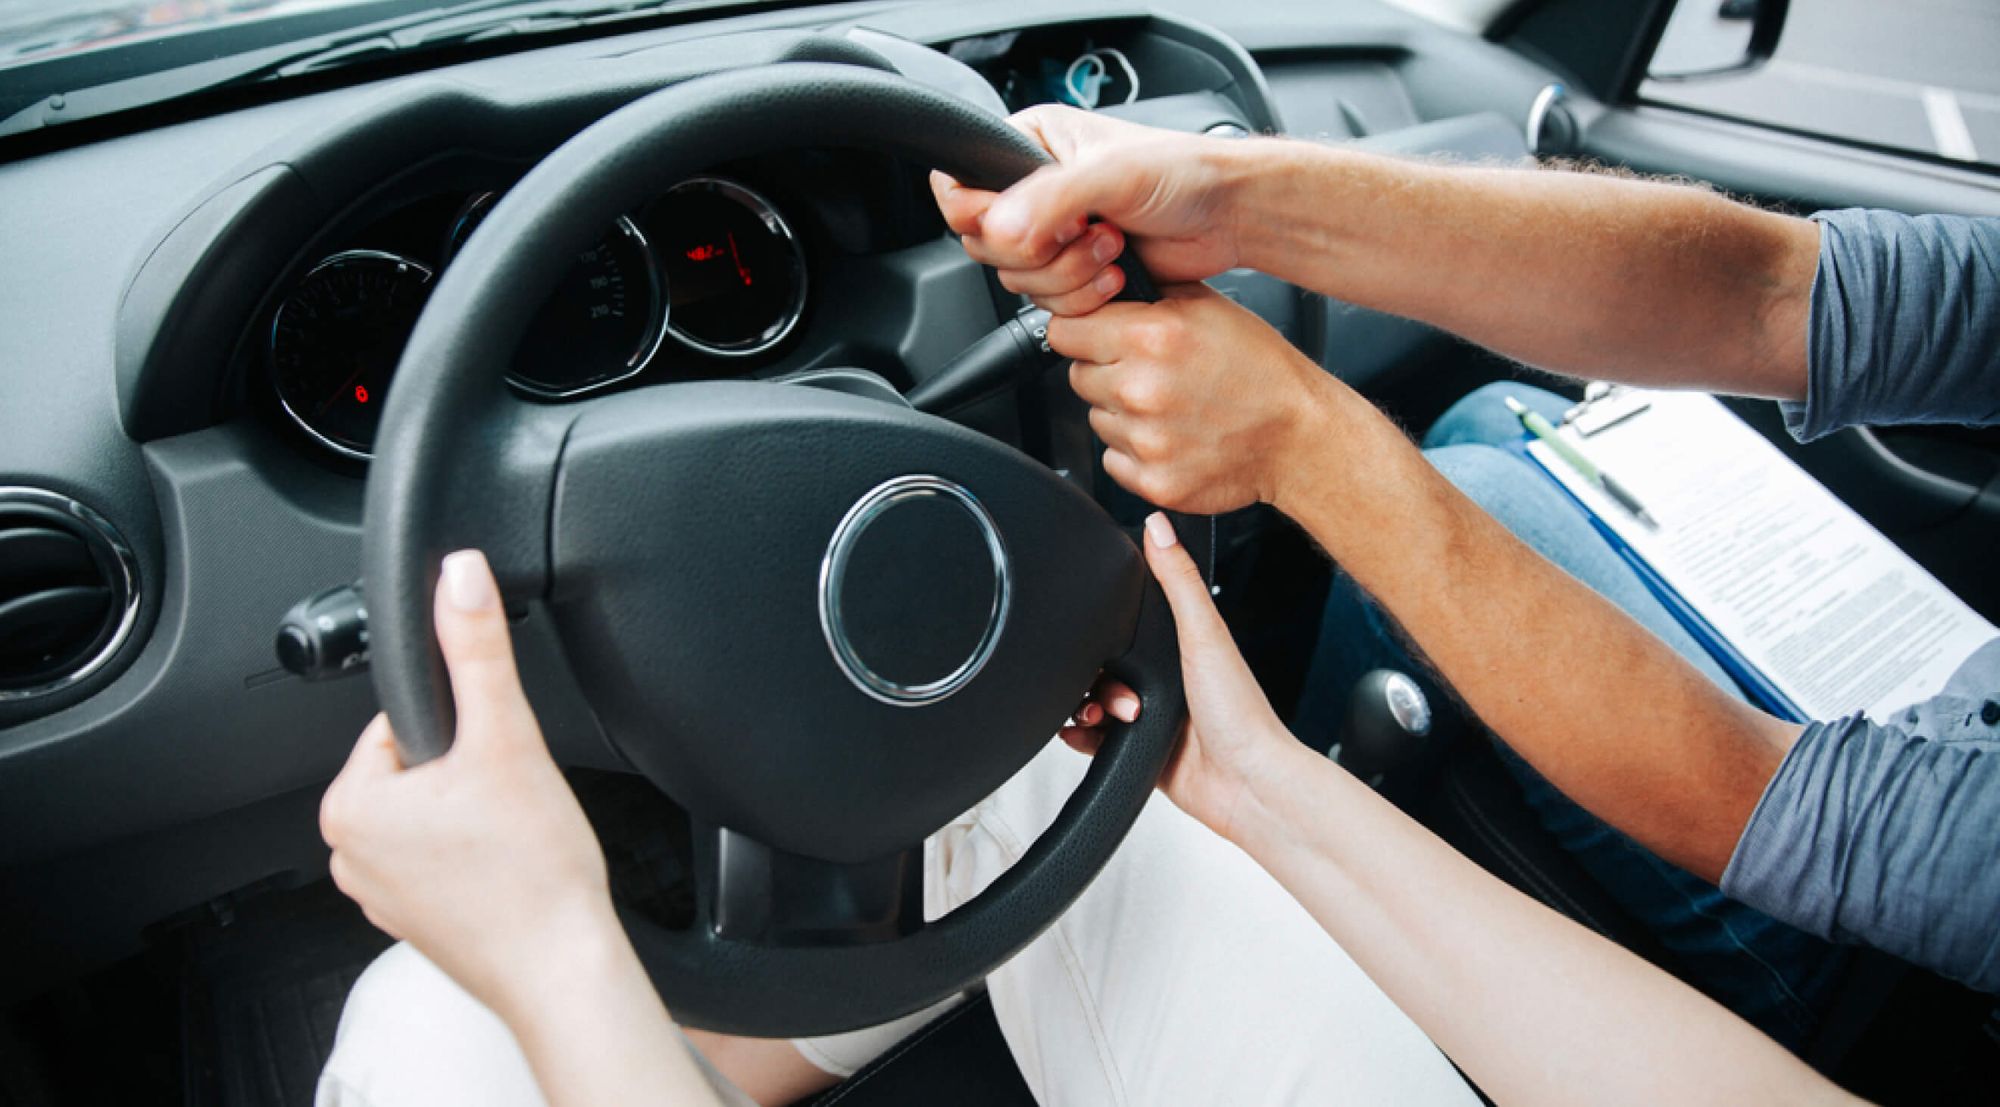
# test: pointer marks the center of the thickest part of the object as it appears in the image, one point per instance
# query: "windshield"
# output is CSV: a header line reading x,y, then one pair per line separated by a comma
x,y
36,30
64,61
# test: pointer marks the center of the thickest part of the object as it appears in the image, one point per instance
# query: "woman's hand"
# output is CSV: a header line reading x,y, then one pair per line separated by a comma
x,y
482,859
1171,189
1232,733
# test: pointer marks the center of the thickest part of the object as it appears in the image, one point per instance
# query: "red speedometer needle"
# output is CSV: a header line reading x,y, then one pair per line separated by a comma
x,y
742,270
360,368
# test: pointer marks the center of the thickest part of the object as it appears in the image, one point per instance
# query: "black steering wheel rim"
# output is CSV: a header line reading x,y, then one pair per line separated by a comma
x,y
460,462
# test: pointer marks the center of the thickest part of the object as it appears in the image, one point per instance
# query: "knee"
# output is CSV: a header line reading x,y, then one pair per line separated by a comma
x,y
1481,416
1489,476
410,1034
1516,492
394,989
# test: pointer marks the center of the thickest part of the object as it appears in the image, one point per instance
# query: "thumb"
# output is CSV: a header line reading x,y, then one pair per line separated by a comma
x,y
1047,209
373,760
374,754
478,653
1196,620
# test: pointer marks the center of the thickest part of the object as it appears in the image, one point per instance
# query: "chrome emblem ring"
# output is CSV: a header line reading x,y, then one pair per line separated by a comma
x,y
833,570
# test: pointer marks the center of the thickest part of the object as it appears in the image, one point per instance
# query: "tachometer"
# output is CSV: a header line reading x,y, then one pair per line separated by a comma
x,y
736,274
600,325
336,340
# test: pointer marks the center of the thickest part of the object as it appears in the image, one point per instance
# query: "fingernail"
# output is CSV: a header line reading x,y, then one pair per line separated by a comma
x,y
1160,530
1091,715
1105,248
1006,217
1125,707
468,586
1107,281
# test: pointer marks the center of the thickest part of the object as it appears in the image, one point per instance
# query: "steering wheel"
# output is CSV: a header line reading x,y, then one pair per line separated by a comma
x,y
823,624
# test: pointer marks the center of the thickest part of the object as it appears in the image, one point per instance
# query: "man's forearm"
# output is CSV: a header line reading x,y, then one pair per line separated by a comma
x,y
1583,274
1605,710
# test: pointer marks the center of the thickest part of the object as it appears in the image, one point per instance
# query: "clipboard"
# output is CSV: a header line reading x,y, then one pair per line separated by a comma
x,y
1815,613
1758,687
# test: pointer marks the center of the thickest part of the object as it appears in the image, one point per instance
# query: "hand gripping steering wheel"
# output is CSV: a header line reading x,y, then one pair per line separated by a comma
x,y
824,624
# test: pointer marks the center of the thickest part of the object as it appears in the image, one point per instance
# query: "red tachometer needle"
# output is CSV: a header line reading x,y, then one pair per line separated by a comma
x,y
742,270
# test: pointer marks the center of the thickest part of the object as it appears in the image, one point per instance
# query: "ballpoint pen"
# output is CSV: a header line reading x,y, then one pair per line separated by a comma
x,y
1540,428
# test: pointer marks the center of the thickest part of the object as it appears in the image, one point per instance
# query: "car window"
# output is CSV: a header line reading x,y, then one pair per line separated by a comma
x,y
1920,76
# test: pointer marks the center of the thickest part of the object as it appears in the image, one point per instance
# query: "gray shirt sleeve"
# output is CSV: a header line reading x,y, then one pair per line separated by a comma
x,y
1889,835
1905,324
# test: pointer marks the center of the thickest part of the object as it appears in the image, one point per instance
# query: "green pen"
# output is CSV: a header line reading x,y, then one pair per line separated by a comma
x,y
1540,428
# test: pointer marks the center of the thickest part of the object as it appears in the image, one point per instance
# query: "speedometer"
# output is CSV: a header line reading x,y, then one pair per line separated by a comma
x,y
336,340
736,274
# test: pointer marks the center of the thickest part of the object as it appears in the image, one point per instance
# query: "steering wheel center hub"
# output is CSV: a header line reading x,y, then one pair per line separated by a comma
x,y
914,590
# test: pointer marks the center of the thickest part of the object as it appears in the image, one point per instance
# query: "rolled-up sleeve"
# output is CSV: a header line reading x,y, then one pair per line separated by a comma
x,y
1905,323
1887,837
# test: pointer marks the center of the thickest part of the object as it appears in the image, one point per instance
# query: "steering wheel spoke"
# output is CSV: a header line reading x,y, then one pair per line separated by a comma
x,y
503,489
747,891
484,480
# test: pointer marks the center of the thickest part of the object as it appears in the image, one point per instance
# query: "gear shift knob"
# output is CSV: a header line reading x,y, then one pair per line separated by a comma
x,y
1388,721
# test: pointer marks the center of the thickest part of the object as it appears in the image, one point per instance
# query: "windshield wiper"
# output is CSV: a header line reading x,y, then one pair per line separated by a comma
x,y
476,21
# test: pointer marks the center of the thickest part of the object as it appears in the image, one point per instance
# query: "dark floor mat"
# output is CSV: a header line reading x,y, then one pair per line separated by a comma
x,y
264,994
264,988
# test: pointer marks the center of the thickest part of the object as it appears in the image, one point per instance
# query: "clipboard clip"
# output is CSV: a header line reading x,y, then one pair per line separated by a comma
x,y
1605,405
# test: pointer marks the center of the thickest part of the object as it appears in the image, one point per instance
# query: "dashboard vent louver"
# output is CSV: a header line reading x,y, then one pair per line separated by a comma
x,y
68,592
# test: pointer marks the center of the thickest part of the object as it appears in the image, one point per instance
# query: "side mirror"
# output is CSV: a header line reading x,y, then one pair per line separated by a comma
x,y
1707,38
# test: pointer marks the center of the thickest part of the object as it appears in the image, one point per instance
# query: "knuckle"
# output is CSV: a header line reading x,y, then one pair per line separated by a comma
x,y
951,206
1184,567
1039,251
1139,393
1066,303
1030,114
1150,442
1078,266
380,921
1169,487
976,249
335,819
1158,337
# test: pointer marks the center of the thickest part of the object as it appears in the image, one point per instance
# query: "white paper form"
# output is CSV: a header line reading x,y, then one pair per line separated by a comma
x,y
1832,612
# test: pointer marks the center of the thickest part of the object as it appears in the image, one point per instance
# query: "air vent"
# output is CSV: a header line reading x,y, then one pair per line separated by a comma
x,y
68,592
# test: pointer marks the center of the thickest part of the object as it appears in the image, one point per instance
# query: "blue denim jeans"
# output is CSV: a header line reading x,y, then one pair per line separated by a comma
x,y
1774,976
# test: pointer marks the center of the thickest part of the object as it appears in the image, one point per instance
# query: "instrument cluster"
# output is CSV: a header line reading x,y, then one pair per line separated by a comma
x,y
711,270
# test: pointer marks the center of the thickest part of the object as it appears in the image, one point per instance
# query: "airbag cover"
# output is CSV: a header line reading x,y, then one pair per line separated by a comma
x,y
690,599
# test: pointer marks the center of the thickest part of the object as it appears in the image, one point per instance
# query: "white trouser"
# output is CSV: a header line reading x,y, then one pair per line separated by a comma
x,y
1183,975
